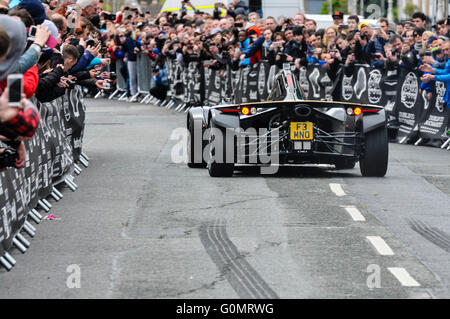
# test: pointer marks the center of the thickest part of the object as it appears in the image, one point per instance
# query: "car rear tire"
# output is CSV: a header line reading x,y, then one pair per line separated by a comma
x,y
374,161
221,168
190,147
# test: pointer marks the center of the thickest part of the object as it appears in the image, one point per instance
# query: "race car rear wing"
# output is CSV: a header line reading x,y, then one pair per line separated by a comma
x,y
252,108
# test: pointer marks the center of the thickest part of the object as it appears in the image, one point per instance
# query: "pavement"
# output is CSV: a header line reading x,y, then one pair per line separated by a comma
x,y
143,226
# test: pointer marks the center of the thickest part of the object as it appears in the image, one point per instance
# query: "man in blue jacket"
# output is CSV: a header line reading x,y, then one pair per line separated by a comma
x,y
442,75
161,82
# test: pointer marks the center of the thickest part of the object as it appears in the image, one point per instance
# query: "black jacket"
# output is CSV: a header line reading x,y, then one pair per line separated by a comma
x,y
47,89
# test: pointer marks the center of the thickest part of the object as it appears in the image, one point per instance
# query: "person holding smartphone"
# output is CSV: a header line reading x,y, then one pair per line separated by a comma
x,y
20,119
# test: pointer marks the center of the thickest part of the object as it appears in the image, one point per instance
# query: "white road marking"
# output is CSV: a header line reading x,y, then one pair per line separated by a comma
x,y
337,189
354,213
380,245
403,276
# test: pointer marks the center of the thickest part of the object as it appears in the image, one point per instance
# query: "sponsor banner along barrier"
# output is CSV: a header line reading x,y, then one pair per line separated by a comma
x,y
50,156
396,90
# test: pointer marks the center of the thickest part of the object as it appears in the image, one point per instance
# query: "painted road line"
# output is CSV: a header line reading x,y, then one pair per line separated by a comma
x,y
380,245
337,189
354,213
403,276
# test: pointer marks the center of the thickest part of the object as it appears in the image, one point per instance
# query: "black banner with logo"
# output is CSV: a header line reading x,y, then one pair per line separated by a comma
x,y
214,93
49,158
396,90
409,106
74,113
435,118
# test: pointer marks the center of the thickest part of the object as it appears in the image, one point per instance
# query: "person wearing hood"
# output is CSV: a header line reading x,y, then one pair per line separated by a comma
x,y
253,34
14,121
34,7
256,46
17,32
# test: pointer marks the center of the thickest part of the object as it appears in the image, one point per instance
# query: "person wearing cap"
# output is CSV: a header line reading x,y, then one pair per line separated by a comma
x,y
338,18
426,67
437,58
362,38
255,47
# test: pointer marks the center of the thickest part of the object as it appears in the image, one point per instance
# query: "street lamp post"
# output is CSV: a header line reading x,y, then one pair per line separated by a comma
x,y
390,15
352,6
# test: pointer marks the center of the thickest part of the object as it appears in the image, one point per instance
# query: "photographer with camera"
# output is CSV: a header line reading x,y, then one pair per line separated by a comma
x,y
54,82
362,38
397,55
377,42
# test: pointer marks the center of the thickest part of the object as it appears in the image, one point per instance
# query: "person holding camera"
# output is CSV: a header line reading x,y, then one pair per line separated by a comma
x,y
54,82
442,75
361,43
397,55
377,42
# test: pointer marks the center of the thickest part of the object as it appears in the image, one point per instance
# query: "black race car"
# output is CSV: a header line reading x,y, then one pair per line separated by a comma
x,y
287,129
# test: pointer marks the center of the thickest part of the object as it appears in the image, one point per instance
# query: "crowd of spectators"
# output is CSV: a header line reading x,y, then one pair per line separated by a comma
x,y
56,45
232,37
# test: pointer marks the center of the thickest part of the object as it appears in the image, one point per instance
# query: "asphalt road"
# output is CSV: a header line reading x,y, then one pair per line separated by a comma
x,y
142,226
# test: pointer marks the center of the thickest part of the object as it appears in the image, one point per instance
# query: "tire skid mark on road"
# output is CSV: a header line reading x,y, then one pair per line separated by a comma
x,y
242,277
431,233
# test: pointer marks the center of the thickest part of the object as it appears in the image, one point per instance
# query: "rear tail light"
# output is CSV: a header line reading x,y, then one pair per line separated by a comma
x,y
358,111
244,110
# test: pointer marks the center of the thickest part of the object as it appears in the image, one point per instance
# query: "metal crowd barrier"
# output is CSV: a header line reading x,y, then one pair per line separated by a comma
x,y
121,85
25,193
144,77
